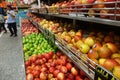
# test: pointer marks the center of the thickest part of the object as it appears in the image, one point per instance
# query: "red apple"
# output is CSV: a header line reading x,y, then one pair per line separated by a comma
x,y
29,71
47,56
43,69
93,54
99,5
109,64
38,62
64,57
104,52
111,4
33,58
52,64
52,69
79,33
108,39
39,56
60,76
43,76
50,60
27,63
70,76
29,77
77,38
78,2
36,73
44,60
96,46
63,69
112,47
90,1
103,13
68,66
74,71
67,39
38,68
78,78
55,73
82,73
51,53
86,78
37,79
58,54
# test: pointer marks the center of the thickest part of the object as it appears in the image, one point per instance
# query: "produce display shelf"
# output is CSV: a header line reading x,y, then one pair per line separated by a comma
x,y
88,19
75,60
77,57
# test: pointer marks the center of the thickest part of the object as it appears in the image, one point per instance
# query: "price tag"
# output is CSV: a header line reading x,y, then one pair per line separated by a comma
x,y
81,15
72,14
101,74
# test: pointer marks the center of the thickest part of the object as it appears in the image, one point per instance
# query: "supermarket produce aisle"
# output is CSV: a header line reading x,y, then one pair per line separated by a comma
x,y
11,57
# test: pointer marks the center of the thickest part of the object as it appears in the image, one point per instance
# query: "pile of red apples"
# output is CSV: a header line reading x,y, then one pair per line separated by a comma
x,y
50,66
28,28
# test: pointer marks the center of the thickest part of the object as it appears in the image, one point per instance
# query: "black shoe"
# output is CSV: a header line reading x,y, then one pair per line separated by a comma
x,y
15,35
11,35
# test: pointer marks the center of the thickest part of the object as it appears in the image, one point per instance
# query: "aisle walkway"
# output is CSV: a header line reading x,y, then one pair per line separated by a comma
x,y
11,57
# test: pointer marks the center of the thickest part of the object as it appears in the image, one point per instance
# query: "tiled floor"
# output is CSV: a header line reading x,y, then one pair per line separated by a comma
x,y
11,57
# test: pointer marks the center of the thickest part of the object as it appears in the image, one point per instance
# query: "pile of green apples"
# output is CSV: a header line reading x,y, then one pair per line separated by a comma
x,y
36,44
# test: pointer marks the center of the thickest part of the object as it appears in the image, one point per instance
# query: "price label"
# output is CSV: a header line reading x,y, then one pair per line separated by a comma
x,y
101,74
81,15
72,14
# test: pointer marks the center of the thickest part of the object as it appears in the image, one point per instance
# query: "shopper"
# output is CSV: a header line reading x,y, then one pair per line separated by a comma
x,y
2,23
11,21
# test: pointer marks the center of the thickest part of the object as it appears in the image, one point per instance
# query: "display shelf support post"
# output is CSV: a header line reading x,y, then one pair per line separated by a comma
x,y
115,11
39,6
74,23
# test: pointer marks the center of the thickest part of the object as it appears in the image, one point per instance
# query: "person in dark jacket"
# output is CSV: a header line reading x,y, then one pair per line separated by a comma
x,y
2,21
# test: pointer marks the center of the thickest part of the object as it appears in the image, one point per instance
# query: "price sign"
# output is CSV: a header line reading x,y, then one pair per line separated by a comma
x,y
101,74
